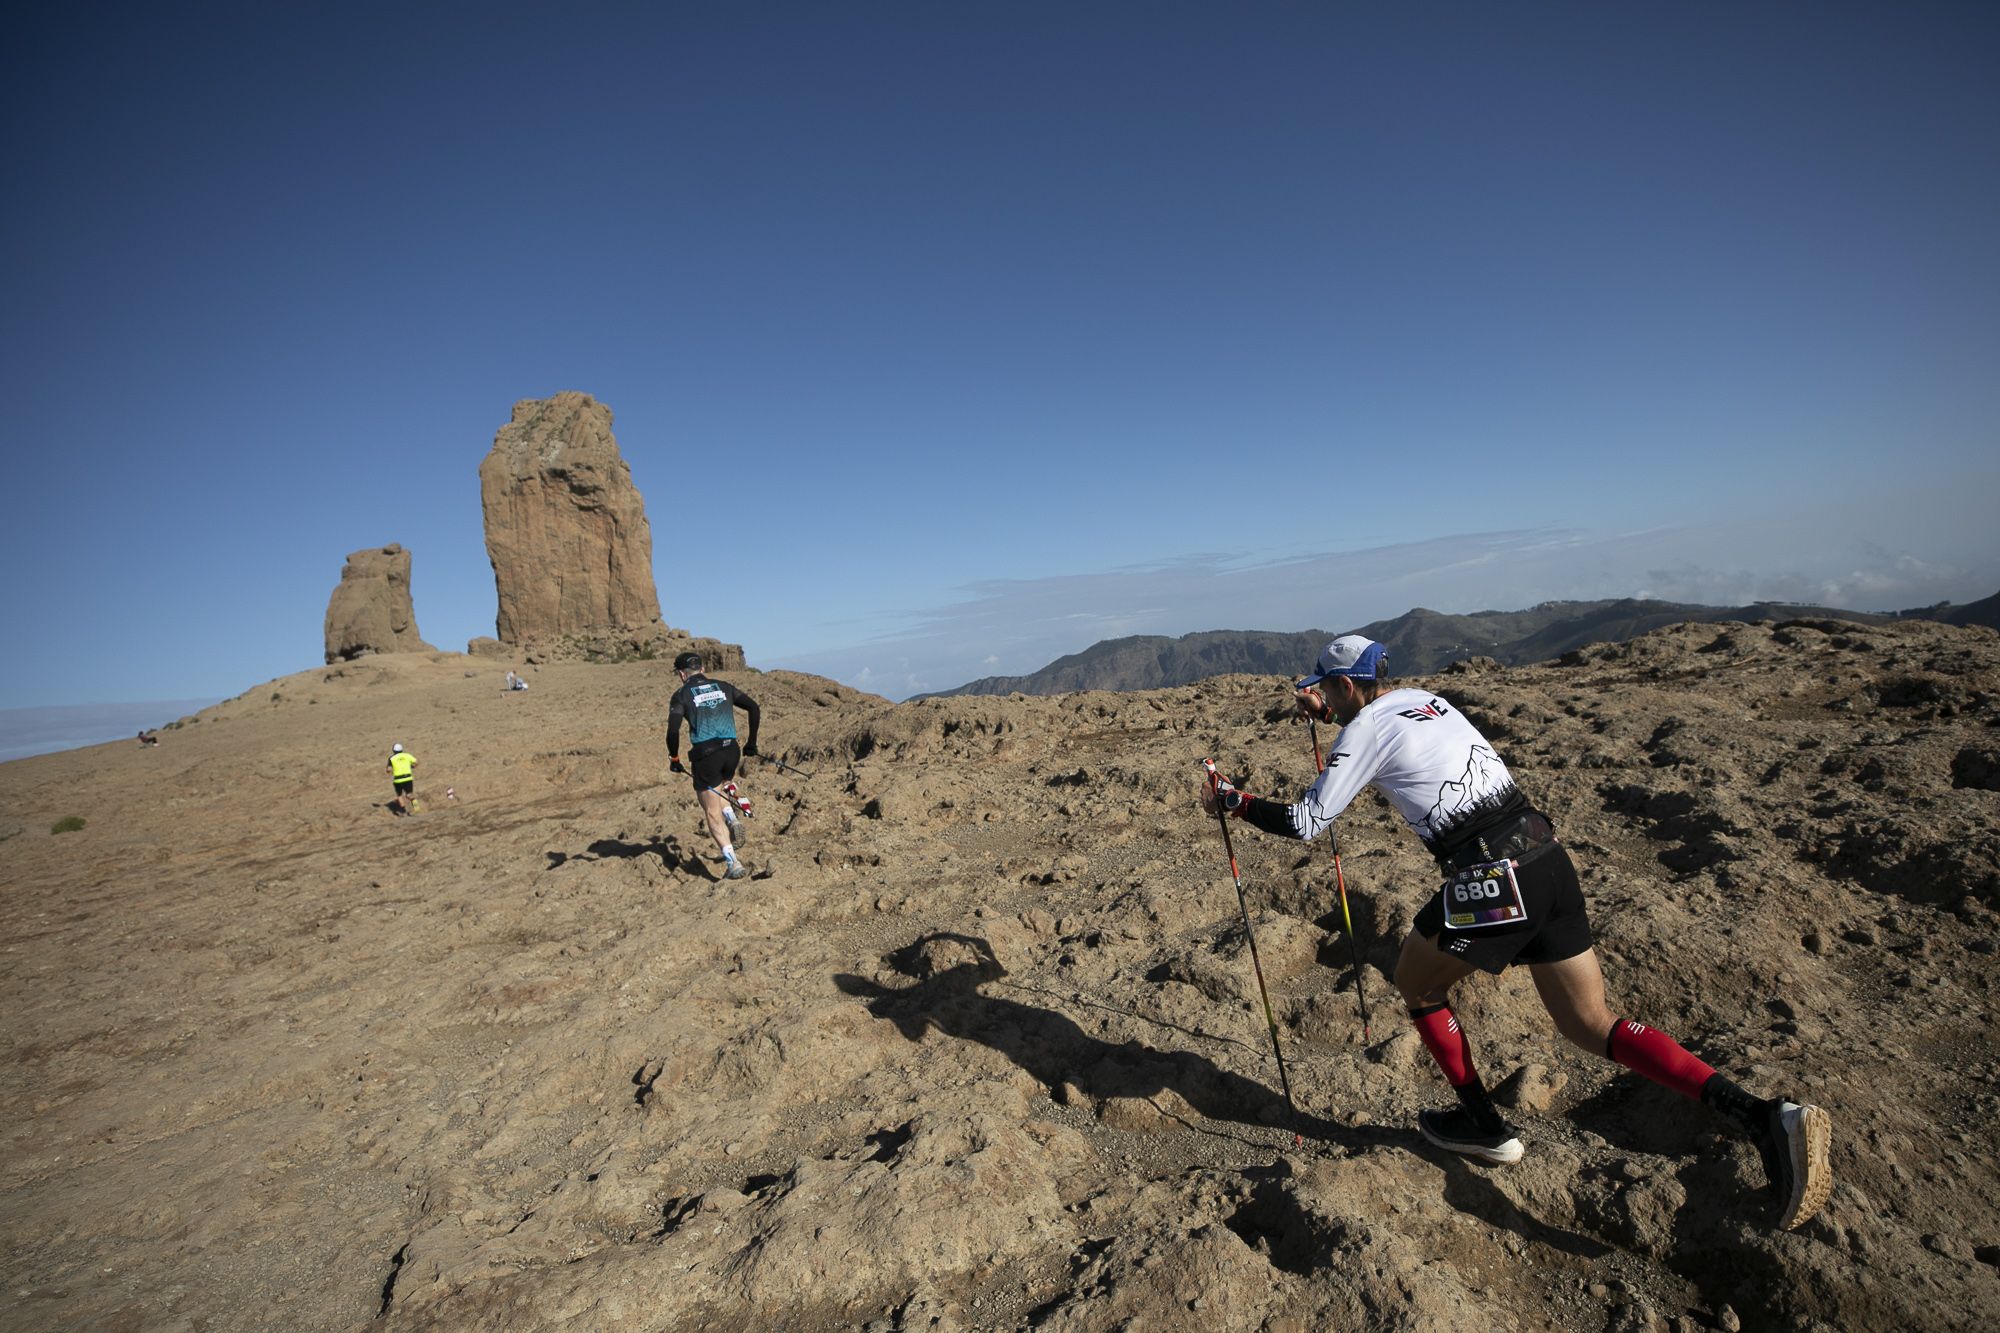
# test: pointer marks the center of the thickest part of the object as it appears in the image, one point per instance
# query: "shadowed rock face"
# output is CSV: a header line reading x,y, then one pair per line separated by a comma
x,y
566,529
370,610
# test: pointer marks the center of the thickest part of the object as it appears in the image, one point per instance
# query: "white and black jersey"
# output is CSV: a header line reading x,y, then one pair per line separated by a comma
x,y
1420,752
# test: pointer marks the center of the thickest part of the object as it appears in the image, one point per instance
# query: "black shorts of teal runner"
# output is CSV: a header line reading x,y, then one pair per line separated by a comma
x,y
1558,926
713,763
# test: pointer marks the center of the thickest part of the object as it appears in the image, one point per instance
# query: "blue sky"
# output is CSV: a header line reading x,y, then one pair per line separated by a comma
x,y
947,339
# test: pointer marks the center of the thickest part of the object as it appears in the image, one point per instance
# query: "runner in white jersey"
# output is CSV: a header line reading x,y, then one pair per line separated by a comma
x,y
1510,894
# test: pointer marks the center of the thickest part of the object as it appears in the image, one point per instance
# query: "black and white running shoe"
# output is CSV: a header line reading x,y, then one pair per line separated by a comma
x,y
1456,1131
1797,1147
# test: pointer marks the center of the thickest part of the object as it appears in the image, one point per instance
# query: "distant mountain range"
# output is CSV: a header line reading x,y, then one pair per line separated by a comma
x,y
1420,642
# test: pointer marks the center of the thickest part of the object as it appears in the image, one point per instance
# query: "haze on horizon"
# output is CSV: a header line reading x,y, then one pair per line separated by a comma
x,y
943,343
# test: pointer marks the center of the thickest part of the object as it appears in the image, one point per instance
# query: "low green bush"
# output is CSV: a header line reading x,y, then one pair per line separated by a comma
x,y
67,824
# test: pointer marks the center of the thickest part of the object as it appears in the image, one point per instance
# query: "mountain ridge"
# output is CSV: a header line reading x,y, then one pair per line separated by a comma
x,y
1420,641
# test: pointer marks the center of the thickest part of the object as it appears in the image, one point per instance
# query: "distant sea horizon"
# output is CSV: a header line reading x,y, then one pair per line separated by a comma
x,y
26,732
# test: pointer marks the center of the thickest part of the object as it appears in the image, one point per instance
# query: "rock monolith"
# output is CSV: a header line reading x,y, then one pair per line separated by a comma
x,y
370,610
566,529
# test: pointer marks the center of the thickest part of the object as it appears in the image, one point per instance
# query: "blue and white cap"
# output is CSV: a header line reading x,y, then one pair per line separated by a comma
x,y
1352,655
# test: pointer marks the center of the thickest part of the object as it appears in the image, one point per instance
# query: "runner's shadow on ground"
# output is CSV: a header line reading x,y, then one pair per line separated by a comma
x,y
1056,1051
669,849
1725,1189
1470,1188
1296,1239
1632,1113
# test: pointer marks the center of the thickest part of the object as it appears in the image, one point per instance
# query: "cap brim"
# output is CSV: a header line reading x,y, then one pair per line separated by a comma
x,y
1312,680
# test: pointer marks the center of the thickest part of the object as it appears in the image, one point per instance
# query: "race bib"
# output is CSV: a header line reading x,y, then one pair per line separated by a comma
x,y
1482,896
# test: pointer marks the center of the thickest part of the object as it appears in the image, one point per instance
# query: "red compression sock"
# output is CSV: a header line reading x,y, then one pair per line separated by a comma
x,y
1653,1053
1446,1042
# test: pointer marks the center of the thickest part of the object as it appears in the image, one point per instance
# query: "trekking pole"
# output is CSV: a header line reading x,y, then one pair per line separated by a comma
x,y
727,791
782,764
1340,881
1218,786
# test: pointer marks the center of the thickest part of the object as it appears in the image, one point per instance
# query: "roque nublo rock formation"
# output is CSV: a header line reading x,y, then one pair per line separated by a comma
x,y
566,529
370,610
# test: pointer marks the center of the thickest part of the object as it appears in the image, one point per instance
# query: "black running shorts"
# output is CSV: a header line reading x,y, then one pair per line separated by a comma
x,y
713,763
1557,926
405,785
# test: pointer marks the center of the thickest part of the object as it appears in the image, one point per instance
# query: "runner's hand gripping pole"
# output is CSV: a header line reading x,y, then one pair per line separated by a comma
x,y
1340,881
1224,804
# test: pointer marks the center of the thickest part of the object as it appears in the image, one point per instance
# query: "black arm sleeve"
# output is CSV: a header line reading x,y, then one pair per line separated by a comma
x,y
1270,816
749,706
674,711
1276,817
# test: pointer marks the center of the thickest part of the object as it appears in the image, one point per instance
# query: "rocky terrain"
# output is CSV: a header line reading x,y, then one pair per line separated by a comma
x,y
370,610
977,1046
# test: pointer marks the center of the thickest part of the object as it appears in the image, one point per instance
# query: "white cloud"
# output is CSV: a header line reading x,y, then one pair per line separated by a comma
x,y
1837,556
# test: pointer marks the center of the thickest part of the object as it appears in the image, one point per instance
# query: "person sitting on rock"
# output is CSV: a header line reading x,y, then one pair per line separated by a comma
x,y
709,708
403,773
1510,896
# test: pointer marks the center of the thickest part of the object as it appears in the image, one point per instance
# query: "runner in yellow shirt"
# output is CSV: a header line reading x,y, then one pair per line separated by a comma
x,y
402,772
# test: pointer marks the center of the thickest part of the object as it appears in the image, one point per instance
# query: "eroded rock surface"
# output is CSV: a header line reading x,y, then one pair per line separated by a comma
x,y
370,610
566,529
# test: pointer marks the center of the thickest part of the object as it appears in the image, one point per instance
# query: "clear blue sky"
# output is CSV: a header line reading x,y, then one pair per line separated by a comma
x,y
944,339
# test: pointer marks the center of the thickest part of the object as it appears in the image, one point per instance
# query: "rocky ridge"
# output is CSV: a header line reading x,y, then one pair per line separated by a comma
x,y
1420,641
977,1047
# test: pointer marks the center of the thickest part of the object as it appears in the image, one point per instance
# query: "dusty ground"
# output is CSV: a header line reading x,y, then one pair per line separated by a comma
x,y
977,1047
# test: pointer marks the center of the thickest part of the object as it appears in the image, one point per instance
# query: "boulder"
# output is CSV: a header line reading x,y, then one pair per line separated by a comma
x,y
566,529
370,610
